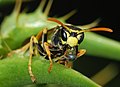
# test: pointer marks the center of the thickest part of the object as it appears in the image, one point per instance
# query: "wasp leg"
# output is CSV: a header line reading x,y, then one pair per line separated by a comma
x,y
33,40
38,48
26,47
20,51
81,52
68,64
46,48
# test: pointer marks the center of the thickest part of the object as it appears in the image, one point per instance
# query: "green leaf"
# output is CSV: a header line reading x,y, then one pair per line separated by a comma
x,y
14,73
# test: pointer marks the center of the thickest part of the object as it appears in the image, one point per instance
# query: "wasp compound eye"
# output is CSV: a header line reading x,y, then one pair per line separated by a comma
x,y
63,35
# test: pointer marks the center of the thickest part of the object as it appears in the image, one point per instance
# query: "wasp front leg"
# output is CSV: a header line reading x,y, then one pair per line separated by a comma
x,y
19,51
33,41
36,46
46,48
81,52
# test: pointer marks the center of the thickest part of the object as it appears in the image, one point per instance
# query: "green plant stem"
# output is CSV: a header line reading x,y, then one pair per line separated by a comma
x,y
14,73
101,46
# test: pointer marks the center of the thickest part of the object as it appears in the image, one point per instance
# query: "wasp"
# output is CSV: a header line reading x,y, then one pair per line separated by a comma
x,y
59,44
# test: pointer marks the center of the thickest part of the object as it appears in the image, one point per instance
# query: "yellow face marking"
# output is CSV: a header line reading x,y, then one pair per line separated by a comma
x,y
67,34
67,28
63,42
76,31
72,41
78,36
49,41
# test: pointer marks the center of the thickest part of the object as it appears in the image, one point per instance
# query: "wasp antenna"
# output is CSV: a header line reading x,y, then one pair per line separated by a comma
x,y
101,29
97,29
57,21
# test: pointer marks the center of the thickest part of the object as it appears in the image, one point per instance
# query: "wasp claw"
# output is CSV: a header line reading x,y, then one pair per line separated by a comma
x,y
50,68
33,79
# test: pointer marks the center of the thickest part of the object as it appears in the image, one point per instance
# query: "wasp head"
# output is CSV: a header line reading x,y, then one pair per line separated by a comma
x,y
71,37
